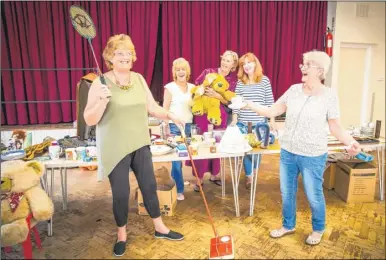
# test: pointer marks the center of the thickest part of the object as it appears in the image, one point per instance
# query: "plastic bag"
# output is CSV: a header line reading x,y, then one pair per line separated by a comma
x,y
233,141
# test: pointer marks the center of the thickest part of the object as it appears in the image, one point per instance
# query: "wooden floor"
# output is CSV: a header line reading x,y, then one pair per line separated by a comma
x,y
86,230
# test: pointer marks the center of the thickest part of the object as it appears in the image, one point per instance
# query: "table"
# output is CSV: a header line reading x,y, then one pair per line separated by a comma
x,y
275,149
62,165
203,153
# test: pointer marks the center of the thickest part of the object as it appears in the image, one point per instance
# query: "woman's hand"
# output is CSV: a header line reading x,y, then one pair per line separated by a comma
x,y
273,126
176,120
102,91
249,105
233,122
354,148
210,92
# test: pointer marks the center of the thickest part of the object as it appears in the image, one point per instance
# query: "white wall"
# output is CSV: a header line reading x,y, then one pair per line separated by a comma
x,y
331,16
350,29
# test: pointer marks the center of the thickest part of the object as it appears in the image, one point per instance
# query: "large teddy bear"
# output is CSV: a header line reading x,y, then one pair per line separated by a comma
x,y
203,104
21,195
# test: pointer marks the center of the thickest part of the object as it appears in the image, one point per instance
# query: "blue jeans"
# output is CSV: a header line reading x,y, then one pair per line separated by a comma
x,y
177,165
312,169
248,158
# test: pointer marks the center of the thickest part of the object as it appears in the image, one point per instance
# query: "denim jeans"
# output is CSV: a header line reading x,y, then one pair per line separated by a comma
x,y
177,165
311,169
247,162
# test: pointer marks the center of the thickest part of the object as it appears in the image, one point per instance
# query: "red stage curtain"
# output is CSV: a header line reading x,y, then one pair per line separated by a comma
x,y
40,35
276,32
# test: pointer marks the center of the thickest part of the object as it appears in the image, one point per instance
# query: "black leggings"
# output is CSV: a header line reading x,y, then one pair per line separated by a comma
x,y
141,163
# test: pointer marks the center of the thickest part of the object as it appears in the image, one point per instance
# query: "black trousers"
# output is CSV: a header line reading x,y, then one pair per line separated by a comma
x,y
140,161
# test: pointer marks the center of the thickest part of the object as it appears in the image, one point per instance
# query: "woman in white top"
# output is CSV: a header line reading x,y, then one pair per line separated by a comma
x,y
177,98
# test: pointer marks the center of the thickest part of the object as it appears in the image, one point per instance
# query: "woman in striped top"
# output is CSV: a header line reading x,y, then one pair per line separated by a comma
x,y
253,86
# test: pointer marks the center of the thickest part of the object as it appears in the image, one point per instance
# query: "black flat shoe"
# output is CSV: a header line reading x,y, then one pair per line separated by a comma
x,y
119,248
171,235
217,182
197,187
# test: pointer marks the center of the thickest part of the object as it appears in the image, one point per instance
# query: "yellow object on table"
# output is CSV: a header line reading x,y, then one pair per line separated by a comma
x,y
89,168
272,147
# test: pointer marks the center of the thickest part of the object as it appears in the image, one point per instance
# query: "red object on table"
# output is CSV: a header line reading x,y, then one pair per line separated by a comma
x,y
27,244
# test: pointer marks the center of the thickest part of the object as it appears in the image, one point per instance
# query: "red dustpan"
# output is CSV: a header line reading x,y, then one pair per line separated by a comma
x,y
221,247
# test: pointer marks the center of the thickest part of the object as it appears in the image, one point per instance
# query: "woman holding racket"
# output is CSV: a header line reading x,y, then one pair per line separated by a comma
x,y
121,111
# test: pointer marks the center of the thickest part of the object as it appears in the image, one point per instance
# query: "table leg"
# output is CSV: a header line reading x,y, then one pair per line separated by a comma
x,y
52,183
43,180
254,183
235,195
65,186
240,165
251,204
382,174
50,194
62,182
42,183
222,172
237,178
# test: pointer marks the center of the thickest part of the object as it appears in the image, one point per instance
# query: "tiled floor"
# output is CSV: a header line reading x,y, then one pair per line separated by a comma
x,y
86,230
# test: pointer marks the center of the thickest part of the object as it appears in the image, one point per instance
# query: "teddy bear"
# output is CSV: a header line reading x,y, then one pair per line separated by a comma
x,y
202,104
21,195
163,179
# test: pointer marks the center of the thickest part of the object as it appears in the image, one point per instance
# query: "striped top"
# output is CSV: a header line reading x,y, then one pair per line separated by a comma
x,y
260,93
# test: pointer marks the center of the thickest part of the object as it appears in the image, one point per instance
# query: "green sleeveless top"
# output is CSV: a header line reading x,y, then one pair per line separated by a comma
x,y
123,127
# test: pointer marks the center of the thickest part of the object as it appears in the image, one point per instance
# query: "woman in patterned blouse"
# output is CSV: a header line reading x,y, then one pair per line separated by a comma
x,y
311,109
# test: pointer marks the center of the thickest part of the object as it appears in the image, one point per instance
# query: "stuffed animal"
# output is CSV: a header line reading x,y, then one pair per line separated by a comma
x,y
163,179
21,195
203,104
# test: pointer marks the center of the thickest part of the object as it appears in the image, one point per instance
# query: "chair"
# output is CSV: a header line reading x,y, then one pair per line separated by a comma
x,y
27,244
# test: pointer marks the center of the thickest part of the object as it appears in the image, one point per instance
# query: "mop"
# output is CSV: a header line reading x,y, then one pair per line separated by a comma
x,y
221,247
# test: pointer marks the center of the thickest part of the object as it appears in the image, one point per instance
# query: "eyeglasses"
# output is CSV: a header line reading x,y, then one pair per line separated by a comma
x,y
306,67
123,53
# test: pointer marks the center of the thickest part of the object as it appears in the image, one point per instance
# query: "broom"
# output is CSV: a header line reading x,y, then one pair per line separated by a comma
x,y
220,247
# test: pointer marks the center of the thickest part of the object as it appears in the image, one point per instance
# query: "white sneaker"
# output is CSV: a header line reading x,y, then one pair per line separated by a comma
x,y
180,196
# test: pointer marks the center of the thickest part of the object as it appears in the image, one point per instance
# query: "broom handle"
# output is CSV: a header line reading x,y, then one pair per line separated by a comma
x,y
198,180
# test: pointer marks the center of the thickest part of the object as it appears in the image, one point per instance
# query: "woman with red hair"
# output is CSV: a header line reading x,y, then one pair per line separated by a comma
x,y
255,87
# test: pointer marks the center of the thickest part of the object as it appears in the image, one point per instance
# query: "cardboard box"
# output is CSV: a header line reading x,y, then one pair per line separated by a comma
x,y
329,176
167,202
355,180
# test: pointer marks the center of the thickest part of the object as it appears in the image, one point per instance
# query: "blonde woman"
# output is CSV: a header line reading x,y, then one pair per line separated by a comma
x,y
255,87
121,111
228,65
311,109
177,98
